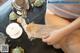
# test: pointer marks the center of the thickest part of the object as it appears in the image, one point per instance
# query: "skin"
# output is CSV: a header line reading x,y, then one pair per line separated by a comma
x,y
67,37
60,33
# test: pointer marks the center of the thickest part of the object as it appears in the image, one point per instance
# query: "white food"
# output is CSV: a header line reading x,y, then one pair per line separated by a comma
x,y
14,30
13,16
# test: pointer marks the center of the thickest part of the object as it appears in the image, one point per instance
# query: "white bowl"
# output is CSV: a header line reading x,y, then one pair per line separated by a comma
x,y
14,30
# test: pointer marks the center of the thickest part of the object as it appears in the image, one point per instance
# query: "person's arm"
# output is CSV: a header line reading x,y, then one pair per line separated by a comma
x,y
71,27
57,35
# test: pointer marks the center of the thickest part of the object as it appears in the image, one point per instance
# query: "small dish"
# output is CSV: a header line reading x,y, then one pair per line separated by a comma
x,y
14,30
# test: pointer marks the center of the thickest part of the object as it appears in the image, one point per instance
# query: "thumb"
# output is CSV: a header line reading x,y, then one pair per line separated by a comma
x,y
45,38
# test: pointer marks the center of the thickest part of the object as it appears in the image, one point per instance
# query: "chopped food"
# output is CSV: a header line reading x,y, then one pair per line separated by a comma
x,y
19,13
13,16
38,3
32,1
18,50
22,3
37,31
33,28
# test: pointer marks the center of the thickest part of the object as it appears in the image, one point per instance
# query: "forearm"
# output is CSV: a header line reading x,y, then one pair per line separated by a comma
x,y
72,27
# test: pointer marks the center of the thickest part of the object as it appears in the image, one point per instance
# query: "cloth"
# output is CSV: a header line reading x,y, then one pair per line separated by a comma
x,y
70,11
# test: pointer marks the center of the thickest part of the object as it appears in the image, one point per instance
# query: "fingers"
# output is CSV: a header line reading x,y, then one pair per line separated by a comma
x,y
47,39
19,20
45,36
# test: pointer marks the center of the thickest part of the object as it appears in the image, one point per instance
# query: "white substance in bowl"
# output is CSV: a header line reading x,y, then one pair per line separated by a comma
x,y
14,30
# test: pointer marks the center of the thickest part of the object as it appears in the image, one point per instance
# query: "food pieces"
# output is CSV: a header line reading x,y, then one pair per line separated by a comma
x,y
20,7
18,50
38,3
22,3
19,2
13,16
19,13
33,28
14,5
37,31
14,30
32,1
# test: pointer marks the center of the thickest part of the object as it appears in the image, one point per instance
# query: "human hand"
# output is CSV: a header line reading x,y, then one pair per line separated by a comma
x,y
20,20
53,37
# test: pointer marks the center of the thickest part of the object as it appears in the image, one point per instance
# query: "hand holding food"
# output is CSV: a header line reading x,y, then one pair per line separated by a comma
x,y
18,50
